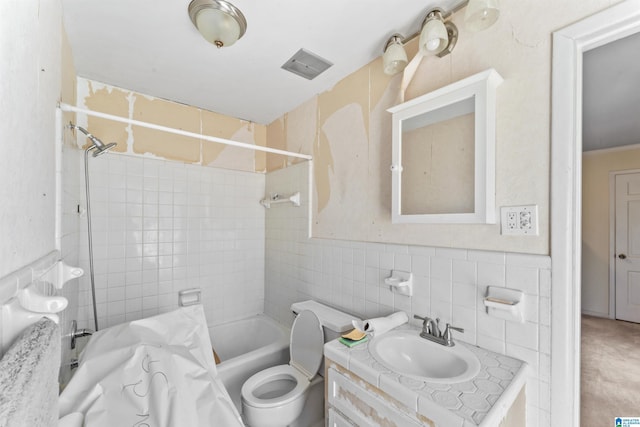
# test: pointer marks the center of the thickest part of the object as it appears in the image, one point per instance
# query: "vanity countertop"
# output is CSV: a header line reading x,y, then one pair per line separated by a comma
x,y
482,401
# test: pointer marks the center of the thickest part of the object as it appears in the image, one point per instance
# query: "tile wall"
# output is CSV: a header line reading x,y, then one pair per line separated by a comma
x,y
162,226
68,240
449,283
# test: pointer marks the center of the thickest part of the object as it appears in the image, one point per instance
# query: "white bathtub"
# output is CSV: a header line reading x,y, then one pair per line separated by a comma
x,y
153,371
248,346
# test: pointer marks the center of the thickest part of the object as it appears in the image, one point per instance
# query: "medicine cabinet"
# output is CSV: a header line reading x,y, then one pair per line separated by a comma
x,y
443,167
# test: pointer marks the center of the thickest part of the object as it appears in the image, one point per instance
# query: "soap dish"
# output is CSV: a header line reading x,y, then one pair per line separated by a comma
x,y
505,303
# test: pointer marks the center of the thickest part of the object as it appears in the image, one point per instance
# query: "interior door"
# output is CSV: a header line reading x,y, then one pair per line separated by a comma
x,y
627,261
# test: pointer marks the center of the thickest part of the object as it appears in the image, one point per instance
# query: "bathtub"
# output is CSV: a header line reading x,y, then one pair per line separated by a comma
x,y
156,371
248,346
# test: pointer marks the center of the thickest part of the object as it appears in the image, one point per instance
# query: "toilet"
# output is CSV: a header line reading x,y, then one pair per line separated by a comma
x,y
293,395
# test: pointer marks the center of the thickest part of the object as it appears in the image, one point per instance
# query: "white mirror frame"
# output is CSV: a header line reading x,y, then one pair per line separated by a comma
x,y
482,88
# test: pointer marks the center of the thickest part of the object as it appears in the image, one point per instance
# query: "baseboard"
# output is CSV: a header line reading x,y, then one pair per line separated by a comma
x,y
595,314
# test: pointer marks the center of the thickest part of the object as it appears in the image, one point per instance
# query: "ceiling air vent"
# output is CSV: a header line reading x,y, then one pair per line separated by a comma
x,y
306,64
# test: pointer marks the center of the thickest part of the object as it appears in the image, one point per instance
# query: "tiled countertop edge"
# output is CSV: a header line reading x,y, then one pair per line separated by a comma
x,y
507,398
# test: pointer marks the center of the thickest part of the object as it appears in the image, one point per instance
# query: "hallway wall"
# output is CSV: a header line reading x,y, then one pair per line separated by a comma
x,y
596,169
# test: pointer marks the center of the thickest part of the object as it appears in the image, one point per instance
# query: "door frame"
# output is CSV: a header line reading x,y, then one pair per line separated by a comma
x,y
569,44
612,235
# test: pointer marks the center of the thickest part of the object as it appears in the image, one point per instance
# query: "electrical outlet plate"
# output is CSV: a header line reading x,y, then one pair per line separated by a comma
x,y
519,220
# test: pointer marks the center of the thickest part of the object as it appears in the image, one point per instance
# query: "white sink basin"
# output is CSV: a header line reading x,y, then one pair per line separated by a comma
x,y
406,353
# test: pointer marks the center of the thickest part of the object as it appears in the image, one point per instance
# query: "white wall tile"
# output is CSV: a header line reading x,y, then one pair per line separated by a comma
x,y
420,265
441,290
523,334
158,223
523,278
441,268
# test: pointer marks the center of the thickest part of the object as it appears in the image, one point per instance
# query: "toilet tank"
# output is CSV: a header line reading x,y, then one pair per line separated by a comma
x,y
334,322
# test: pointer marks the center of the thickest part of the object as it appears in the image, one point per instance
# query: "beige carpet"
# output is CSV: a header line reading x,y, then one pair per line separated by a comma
x,y
610,378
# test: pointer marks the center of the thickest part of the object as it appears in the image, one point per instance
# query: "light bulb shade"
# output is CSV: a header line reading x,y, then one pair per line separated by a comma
x,y
481,14
433,38
394,59
219,22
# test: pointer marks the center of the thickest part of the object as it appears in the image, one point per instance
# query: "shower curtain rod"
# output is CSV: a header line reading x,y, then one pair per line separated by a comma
x,y
74,109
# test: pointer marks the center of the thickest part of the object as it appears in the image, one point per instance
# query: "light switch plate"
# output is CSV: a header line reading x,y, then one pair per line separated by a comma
x,y
519,220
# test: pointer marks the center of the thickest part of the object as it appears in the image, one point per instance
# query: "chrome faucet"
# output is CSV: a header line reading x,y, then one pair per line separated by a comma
x,y
78,333
430,327
431,331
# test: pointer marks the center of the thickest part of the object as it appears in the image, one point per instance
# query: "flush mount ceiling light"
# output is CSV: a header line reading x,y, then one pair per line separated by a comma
x,y
395,58
438,36
219,22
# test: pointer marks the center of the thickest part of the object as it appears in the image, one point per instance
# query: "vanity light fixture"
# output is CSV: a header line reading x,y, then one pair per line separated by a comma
x,y
219,22
437,35
481,14
395,58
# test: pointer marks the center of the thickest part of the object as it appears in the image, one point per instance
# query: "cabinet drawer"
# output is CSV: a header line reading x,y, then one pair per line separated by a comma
x,y
363,407
337,420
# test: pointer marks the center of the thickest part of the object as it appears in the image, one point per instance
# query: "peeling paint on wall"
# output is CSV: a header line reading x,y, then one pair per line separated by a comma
x,y
323,167
260,138
240,158
302,129
379,189
138,140
213,124
519,48
111,101
166,145
277,138
345,131
296,132
353,91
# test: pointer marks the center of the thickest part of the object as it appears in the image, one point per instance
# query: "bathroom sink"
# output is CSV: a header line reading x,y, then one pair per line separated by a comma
x,y
406,353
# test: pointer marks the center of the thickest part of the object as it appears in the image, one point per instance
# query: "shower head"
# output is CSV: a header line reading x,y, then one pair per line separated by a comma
x,y
103,149
98,146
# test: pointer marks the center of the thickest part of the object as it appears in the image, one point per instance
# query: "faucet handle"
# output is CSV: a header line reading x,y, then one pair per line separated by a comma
x,y
415,316
425,321
448,338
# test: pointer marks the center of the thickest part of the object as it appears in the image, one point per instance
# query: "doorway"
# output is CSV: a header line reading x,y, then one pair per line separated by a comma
x,y
627,246
569,44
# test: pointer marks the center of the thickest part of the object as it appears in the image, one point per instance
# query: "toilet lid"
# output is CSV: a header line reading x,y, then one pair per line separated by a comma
x,y
307,342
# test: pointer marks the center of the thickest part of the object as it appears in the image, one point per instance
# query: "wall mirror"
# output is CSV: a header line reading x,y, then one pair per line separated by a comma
x,y
443,167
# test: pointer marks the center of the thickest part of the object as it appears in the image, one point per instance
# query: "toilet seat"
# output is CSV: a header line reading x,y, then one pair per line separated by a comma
x,y
306,350
276,373
306,347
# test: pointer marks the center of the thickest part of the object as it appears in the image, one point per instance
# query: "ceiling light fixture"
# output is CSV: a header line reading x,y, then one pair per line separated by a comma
x,y
219,22
395,58
437,35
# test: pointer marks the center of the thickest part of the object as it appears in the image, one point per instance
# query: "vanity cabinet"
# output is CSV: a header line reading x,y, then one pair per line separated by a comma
x,y
352,401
